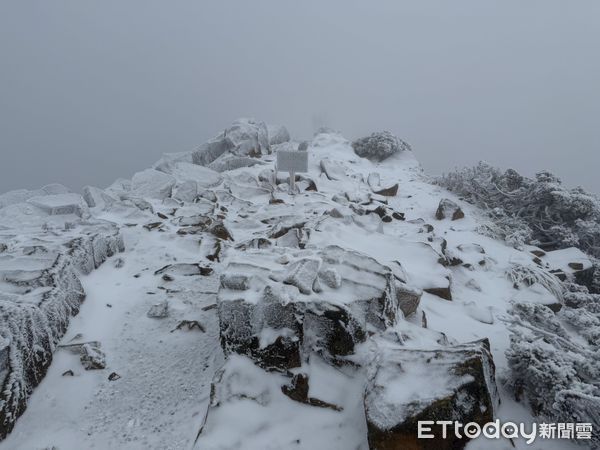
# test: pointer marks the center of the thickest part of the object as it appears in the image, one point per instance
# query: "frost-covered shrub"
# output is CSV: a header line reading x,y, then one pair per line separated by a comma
x,y
379,146
540,211
529,275
554,372
513,230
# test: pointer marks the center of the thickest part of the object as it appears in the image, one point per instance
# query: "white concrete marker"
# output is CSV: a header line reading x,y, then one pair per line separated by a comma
x,y
292,162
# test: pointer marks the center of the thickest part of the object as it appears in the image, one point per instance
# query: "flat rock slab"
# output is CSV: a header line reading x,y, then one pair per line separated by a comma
x,y
60,204
405,386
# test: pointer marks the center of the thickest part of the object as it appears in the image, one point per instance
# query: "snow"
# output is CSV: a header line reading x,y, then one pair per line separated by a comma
x,y
265,418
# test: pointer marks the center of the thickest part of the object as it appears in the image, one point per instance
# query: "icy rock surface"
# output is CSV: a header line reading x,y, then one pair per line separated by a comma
x,y
153,184
300,313
379,146
407,385
245,137
97,198
60,204
39,293
92,357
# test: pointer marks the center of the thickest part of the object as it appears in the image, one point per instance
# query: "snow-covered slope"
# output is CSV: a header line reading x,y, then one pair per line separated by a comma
x,y
191,233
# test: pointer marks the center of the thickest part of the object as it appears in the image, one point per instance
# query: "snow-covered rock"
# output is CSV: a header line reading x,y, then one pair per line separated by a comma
x,y
184,171
281,313
151,183
245,137
61,204
405,385
333,170
447,209
38,296
273,419
92,357
159,310
97,198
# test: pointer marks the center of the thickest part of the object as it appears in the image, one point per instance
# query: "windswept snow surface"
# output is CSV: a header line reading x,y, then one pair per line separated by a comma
x,y
160,399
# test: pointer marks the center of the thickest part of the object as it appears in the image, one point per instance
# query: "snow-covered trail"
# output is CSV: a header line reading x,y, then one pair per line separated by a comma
x,y
165,379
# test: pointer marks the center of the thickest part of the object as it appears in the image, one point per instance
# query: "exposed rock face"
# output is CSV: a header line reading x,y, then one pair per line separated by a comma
x,y
245,137
408,299
321,301
379,146
448,209
388,192
43,293
332,169
399,394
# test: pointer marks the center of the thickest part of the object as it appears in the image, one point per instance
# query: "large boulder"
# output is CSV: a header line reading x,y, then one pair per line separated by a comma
x,y
379,146
190,179
151,183
245,137
406,386
279,311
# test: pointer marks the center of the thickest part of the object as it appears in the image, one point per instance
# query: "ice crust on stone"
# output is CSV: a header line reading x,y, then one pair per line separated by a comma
x,y
38,296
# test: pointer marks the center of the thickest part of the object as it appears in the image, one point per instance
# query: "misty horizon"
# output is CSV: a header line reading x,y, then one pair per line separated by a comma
x,y
94,92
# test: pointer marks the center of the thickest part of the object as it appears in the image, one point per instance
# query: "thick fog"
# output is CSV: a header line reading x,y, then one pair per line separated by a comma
x,y
95,90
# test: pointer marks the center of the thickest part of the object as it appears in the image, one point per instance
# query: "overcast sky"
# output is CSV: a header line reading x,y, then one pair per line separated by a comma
x,y
95,90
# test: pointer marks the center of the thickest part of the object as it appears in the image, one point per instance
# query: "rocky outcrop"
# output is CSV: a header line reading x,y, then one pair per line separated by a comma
x,y
244,138
405,386
278,311
42,295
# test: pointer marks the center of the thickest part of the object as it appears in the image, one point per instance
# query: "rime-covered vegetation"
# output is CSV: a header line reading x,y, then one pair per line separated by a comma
x,y
540,211
553,353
